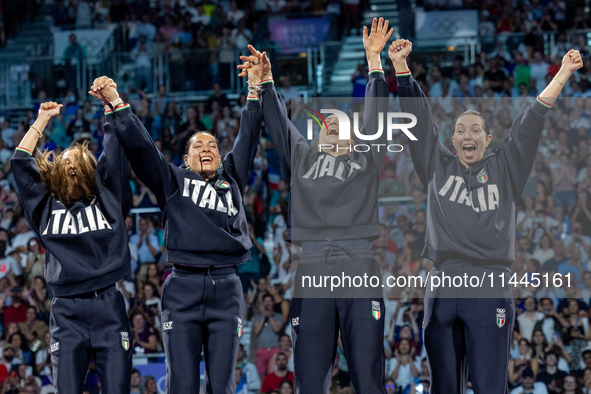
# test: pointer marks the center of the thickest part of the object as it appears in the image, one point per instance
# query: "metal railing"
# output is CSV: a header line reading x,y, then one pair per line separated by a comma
x,y
185,71
179,71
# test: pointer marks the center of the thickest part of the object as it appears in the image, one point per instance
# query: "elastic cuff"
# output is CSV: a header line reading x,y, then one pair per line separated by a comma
x,y
252,98
117,109
543,103
539,107
267,84
404,78
377,74
20,149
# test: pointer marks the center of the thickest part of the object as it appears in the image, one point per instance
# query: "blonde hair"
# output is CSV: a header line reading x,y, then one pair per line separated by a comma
x,y
56,178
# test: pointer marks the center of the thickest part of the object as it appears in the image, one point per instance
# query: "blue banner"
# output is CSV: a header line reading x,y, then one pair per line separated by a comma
x,y
294,35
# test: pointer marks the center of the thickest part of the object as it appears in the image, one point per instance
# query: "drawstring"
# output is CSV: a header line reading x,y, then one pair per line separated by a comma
x,y
470,181
208,269
328,251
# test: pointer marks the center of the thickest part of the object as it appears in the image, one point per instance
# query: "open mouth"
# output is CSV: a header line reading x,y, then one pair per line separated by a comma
x,y
72,173
469,150
206,160
333,131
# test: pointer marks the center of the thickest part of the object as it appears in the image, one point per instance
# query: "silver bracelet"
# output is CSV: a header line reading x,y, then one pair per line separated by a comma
x,y
254,88
37,130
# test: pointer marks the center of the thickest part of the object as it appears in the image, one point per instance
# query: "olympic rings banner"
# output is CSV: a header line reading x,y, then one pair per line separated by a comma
x,y
294,35
446,24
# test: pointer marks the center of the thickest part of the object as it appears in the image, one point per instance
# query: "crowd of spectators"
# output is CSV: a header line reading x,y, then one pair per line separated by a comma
x,y
208,33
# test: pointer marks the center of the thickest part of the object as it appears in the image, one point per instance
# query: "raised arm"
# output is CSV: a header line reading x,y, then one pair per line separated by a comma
x,y
521,144
46,112
427,147
113,166
31,189
239,160
146,160
376,91
284,134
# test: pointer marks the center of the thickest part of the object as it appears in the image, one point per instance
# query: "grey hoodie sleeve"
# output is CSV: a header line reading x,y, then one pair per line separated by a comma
x,y
376,107
427,149
518,152
284,134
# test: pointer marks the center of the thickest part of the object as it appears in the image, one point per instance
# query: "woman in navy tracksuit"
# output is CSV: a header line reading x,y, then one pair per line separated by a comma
x,y
334,217
471,230
77,207
206,236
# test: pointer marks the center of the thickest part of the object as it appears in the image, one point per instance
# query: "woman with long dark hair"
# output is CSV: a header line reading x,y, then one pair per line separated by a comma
x,y
570,385
472,198
206,238
77,206
521,362
538,344
21,346
144,337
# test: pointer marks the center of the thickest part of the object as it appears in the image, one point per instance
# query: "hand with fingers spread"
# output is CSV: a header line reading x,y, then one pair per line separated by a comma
x,y
104,89
257,66
50,109
379,36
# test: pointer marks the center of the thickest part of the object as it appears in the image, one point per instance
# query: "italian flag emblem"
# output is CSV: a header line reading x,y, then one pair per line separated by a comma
x,y
222,184
239,327
375,310
500,317
482,177
125,340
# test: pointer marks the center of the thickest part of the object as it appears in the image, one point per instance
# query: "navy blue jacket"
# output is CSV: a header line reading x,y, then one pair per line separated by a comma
x,y
85,241
471,211
205,224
